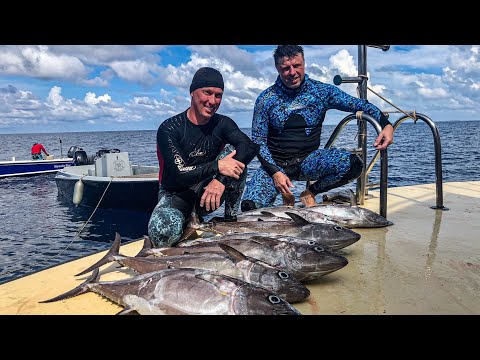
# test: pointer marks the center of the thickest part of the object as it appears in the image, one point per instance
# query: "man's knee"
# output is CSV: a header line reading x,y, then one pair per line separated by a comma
x,y
165,227
247,205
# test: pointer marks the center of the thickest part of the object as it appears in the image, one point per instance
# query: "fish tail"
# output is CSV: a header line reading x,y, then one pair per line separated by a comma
x,y
147,245
80,289
109,256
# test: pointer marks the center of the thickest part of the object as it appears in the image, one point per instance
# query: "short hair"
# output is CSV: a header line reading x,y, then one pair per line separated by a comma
x,y
286,50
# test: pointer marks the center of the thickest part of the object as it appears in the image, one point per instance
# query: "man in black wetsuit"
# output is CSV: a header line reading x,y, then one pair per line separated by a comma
x,y
287,123
202,157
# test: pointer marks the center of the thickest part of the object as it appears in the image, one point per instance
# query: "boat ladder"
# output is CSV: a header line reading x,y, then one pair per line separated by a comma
x,y
363,185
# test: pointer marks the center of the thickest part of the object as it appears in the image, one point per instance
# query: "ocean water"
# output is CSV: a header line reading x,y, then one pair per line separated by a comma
x,y
39,229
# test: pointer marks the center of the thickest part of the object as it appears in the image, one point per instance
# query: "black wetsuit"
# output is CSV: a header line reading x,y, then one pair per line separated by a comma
x,y
188,157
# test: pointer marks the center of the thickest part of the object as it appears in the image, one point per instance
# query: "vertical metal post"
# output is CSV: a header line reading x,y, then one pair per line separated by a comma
x,y
361,124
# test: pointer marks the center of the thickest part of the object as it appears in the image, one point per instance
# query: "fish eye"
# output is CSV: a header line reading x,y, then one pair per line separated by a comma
x,y
283,275
318,249
274,299
338,228
311,242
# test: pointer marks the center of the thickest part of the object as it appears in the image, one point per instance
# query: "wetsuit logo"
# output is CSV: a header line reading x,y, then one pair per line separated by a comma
x,y
197,153
181,165
296,106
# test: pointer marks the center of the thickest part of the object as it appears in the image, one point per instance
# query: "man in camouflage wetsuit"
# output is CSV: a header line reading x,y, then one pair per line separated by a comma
x,y
202,157
287,123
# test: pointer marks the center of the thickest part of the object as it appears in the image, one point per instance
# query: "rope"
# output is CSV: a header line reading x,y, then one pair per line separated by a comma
x,y
86,222
77,235
414,117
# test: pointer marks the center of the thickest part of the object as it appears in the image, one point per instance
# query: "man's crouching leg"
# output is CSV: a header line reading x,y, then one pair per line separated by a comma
x,y
233,194
165,226
353,171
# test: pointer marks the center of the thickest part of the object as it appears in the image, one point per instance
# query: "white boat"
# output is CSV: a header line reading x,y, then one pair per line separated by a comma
x,y
30,167
111,182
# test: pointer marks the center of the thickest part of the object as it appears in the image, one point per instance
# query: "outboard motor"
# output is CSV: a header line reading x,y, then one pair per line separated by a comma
x,y
102,152
91,159
71,151
80,158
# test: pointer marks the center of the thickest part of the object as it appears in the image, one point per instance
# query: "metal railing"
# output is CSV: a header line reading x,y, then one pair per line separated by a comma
x,y
362,180
362,119
438,156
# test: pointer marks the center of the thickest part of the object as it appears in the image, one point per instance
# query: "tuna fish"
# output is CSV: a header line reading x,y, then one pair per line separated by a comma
x,y
231,263
303,261
278,213
347,215
185,292
332,235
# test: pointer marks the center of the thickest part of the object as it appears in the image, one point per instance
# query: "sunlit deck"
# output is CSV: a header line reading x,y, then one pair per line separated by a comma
x,y
428,262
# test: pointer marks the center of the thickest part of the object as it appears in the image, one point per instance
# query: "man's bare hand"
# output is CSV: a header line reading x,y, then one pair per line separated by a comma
x,y
385,138
228,166
212,195
282,183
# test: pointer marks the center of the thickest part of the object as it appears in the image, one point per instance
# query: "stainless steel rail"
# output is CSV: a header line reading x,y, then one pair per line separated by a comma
x,y
362,184
383,160
438,157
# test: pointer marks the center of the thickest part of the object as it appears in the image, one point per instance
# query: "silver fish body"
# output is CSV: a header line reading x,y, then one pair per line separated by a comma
x,y
303,261
186,292
349,216
230,263
278,213
332,235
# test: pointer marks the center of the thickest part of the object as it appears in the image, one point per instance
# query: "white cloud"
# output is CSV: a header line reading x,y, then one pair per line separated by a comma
x,y
92,99
48,84
54,96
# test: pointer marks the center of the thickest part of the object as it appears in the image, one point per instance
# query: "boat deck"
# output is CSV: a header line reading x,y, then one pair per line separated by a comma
x,y
428,262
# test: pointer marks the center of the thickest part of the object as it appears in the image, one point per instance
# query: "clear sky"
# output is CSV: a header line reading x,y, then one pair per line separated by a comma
x,y
50,88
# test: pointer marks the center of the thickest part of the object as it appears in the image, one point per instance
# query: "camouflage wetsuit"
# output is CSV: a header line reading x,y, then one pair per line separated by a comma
x,y
287,124
188,157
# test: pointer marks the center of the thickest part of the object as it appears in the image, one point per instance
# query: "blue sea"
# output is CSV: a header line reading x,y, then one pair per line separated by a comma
x,y
39,229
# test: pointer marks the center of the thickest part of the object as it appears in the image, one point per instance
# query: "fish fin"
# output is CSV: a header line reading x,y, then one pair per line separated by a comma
x,y
127,311
353,198
188,234
217,279
109,256
80,289
147,245
299,220
268,214
233,253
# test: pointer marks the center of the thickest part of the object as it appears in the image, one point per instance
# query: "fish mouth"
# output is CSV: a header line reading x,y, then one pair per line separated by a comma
x,y
342,243
377,221
324,269
308,267
295,294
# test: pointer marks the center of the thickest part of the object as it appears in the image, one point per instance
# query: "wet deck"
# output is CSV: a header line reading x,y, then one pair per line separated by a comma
x,y
428,262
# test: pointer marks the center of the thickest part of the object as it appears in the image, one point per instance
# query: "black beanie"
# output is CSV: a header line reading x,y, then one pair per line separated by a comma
x,y
206,77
